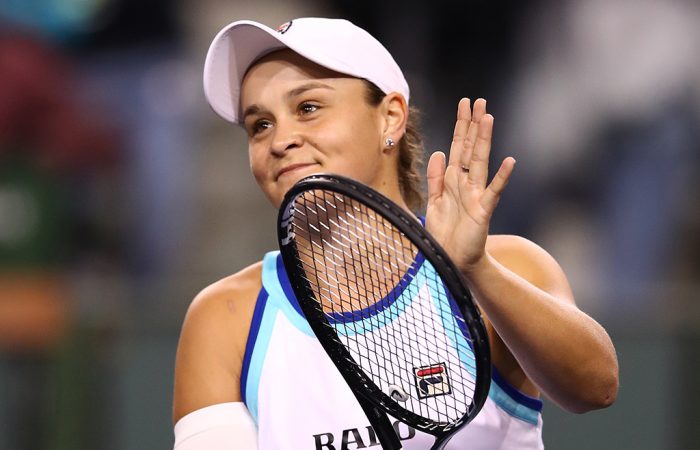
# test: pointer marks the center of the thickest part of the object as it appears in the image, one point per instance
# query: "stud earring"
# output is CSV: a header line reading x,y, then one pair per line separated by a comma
x,y
389,142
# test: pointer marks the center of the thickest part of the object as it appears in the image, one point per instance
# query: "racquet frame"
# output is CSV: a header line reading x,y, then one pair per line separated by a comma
x,y
374,402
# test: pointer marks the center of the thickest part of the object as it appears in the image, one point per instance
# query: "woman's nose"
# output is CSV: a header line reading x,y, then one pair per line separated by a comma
x,y
286,137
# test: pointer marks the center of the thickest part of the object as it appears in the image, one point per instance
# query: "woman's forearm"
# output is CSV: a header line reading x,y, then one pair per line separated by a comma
x,y
566,353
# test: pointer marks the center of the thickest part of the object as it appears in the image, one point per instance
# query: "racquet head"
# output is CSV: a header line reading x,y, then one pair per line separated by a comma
x,y
386,303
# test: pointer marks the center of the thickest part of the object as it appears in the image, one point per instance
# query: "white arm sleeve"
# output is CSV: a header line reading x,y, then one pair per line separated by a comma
x,y
226,426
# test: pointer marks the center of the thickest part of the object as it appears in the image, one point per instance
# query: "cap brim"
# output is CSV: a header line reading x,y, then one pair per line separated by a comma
x,y
230,55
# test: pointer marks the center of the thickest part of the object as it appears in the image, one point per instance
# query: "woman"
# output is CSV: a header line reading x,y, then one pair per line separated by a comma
x,y
322,95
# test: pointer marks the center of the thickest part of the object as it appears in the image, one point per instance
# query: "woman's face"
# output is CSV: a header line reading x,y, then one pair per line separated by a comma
x,y
303,119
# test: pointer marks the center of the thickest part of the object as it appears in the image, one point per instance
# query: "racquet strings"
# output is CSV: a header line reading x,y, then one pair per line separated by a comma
x,y
387,305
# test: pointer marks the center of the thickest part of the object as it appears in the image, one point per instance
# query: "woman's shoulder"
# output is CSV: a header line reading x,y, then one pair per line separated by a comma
x,y
530,261
511,244
228,303
212,342
517,248
230,290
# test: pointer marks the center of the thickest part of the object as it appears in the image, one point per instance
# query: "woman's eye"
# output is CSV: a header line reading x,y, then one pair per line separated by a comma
x,y
307,108
260,126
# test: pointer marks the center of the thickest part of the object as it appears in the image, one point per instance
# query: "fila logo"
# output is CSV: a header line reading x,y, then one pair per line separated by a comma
x,y
432,380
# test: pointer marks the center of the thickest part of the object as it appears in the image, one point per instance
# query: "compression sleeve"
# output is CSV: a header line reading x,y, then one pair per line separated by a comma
x,y
226,426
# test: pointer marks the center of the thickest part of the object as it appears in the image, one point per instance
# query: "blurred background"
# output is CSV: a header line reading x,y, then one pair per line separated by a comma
x,y
122,194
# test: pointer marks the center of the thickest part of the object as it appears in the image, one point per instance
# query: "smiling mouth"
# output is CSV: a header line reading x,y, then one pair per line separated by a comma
x,y
293,168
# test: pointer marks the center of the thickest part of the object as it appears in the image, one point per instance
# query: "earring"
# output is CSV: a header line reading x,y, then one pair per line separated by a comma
x,y
389,142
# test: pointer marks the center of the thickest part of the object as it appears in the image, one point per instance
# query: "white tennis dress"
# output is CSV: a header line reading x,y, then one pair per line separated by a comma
x,y
300,401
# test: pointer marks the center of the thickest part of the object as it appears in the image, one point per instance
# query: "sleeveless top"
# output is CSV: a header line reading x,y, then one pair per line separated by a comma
x,y
299,400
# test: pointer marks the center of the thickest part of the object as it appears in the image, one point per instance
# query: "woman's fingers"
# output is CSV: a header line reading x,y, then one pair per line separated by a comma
x,y
493,192
477,114
479,159
464,117
464,179
469,156
479,110
436,175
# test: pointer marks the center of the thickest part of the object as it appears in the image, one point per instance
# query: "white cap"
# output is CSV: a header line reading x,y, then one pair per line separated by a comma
x,y
335,44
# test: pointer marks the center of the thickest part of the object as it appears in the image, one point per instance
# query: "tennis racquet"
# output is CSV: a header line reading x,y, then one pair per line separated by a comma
x,y
388,306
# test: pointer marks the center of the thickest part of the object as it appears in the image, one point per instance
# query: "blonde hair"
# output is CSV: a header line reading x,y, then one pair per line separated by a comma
x,y
410,147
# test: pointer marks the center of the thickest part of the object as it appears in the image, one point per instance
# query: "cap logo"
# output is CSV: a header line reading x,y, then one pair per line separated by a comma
x,y
284,27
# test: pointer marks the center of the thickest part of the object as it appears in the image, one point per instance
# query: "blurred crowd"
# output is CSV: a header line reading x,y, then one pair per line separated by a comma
x,y
115,176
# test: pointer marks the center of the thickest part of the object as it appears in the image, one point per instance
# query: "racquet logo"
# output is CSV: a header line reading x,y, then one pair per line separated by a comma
x,y
286,224
432,380
397,393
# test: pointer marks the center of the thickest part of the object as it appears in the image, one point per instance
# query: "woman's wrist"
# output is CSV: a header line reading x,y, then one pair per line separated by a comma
x,y
478,268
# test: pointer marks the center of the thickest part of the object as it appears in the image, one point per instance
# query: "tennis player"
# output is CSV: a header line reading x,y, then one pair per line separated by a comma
x,y
322,95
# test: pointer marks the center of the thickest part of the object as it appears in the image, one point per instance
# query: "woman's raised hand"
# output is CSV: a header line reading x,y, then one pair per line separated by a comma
x,y
460,199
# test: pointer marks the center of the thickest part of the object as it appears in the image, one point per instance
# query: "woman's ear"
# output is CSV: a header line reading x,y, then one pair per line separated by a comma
x,y
394,111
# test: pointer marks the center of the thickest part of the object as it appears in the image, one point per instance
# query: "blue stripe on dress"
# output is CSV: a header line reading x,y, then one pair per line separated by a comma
x,y
384,303
252,340
257,359
514,402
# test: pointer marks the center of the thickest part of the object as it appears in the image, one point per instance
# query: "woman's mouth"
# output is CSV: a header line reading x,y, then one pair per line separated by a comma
x,y
292,168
